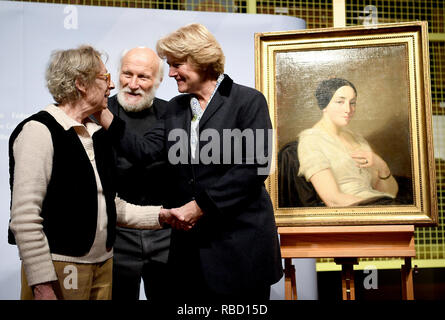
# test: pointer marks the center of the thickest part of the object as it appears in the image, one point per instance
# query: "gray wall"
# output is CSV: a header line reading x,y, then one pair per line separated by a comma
x,y
30,31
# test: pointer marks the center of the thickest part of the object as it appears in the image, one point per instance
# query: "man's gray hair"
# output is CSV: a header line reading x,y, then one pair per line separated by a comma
x,y
160,72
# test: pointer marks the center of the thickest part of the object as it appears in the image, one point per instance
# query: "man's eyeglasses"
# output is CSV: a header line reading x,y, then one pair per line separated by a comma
x,y
106,77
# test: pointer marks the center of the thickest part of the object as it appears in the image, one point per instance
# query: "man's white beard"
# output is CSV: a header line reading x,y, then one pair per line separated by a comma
x,y
144,103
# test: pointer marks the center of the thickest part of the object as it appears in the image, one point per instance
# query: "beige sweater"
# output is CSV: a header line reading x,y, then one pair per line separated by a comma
x,y
33,154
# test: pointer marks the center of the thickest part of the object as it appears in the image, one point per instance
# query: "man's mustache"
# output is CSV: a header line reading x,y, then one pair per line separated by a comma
x,y
137,91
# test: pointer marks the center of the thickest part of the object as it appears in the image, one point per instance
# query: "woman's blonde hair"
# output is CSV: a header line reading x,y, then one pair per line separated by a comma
x,y
67,66
195,43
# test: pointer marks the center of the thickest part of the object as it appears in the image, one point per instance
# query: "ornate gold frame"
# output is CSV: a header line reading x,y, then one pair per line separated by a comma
x,y
414,37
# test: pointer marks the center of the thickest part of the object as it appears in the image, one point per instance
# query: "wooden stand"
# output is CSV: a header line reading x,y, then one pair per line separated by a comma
x,y
346,244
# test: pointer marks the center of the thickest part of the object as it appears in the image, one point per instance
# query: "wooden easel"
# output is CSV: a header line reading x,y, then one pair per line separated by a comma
x,y
346,244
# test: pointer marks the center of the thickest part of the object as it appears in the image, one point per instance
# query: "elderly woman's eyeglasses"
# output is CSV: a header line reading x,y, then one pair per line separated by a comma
x,y
106,77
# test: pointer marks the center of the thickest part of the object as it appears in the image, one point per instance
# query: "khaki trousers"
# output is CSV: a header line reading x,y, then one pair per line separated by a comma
x,y
78,281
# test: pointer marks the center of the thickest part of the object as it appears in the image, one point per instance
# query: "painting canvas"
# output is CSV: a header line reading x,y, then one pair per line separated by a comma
x,y
388,68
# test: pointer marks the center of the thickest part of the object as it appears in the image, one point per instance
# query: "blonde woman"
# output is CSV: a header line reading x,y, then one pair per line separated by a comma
x,y
225,242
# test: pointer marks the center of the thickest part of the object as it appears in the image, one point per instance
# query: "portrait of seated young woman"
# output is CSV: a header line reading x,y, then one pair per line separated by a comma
x,y
330,165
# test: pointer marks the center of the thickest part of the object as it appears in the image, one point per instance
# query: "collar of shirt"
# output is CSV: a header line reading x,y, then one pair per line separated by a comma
x,y
67,122
196,107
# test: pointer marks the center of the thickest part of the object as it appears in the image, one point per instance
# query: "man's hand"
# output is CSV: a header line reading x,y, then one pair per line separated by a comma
x,y
105,117
44,291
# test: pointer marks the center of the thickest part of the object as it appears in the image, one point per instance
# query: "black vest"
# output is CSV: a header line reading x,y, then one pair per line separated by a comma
x,y
69,210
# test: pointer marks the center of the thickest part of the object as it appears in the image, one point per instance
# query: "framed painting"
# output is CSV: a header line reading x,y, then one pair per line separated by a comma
x,y
352,117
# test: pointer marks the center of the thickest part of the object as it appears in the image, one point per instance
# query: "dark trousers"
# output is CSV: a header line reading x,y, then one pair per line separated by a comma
x,y
193,288
253,295
141,254
189,283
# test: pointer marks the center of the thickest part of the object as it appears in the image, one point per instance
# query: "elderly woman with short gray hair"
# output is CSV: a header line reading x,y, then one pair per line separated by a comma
x,y
61,167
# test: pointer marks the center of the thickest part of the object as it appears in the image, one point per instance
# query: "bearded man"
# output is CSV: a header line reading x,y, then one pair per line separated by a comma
x,y
139,252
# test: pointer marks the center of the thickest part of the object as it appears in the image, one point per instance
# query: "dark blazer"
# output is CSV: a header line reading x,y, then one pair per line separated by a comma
x,y
235,243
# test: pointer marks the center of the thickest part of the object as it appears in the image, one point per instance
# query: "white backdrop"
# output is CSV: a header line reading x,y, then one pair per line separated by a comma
x,y
30,31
